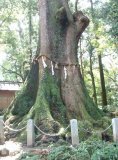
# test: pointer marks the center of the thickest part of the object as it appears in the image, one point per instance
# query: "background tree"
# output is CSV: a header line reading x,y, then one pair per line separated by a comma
x,y
110,15
104,44
19,37
90,51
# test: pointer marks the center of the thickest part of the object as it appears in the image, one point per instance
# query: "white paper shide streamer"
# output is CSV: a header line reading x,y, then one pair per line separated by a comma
x,y
52,67
65,72
43,61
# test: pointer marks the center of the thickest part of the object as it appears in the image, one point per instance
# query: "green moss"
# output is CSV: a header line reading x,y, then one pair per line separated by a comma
x,y
26,97
22,103
49,104
91,108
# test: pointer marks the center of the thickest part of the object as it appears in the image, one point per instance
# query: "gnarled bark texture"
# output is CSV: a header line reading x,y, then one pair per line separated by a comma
x,y
61,94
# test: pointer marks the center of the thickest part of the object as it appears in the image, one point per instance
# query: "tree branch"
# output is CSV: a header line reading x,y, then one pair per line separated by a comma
x,y
68,12
92,10
9,14
76,3
113,80
13,72
5,19
81,22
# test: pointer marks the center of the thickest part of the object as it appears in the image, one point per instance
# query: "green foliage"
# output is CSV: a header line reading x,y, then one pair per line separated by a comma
x,y
101,39
110,15
68,153
109,152
27,156
92,144
18,36
92,149
101,150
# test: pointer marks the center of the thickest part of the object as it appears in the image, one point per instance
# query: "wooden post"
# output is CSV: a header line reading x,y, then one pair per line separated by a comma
x,y
2,139
115,129
74,132
30,133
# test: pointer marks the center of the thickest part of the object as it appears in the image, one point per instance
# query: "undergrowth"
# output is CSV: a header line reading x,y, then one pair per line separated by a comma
x,y
87,150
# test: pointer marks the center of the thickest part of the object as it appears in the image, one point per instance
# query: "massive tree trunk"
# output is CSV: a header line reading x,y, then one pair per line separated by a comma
x,y
61,94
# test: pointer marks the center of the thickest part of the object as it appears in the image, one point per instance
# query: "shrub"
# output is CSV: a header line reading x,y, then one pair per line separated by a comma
x,y
69,153
27,156
109,152
92,145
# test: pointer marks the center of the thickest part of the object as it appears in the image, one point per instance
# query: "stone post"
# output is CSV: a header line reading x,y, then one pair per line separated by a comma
x,y
74,132
30,133
115,129
2,139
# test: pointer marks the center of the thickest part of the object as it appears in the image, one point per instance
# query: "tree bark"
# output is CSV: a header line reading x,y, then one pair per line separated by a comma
x,y
103,93
30,31
61,94
81,59
93,79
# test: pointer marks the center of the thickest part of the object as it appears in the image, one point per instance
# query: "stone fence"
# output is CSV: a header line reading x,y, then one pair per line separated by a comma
x,y
73,125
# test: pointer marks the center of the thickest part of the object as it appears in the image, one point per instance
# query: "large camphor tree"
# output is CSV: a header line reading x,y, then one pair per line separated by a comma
x,y
54,91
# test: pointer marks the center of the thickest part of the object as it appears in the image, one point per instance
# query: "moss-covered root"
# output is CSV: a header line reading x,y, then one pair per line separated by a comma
x,y
91,108
26,97
49,105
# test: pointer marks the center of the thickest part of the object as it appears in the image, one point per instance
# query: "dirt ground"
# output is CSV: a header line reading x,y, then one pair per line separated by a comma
x,y
15,150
